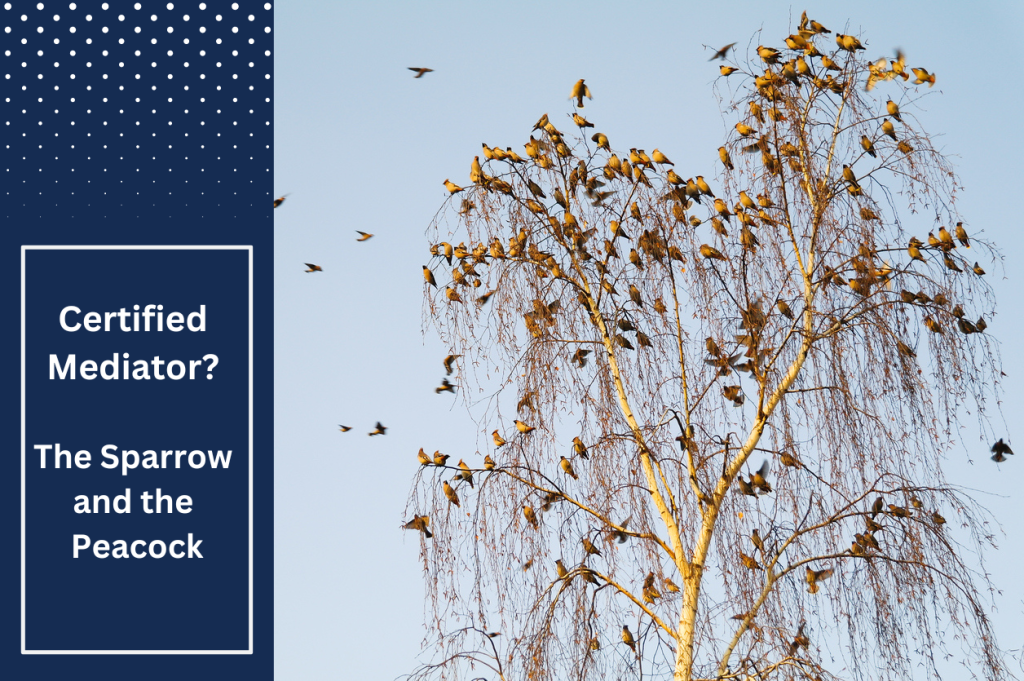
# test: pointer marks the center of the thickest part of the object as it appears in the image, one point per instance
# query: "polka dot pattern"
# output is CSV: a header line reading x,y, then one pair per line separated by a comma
x,y
122,94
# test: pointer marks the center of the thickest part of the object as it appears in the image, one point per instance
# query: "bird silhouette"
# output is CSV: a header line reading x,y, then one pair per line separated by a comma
x,y
420,70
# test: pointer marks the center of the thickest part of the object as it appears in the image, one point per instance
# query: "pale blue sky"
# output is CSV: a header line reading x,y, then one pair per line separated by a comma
x,y
362,145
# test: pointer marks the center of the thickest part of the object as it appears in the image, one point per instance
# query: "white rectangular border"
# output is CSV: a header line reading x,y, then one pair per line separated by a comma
x,y
25,651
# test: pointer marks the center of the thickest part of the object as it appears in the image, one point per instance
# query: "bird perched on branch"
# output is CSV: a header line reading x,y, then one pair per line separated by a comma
x,y
567,467
523,427
452,495
627,638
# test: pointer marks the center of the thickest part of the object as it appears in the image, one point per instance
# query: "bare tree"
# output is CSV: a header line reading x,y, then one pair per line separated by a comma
x,y
714,417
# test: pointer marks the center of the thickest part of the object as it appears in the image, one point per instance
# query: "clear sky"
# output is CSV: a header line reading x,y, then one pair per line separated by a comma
x,y
362,145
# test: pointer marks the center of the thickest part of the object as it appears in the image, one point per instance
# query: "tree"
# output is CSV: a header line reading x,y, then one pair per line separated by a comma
x,y
739,395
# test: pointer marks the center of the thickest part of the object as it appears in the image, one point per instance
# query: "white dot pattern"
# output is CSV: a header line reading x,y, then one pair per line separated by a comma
x,y
125,90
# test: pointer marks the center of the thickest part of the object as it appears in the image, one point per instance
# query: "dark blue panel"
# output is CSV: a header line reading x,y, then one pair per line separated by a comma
x,y
135,127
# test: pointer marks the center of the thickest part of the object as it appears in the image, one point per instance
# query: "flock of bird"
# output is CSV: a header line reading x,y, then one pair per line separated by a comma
x,y
689,189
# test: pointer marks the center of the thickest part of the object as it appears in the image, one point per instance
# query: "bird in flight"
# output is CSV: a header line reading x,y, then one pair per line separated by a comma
x,y
720,54
379,430
344,429
363,236
313,268
420,70
279,201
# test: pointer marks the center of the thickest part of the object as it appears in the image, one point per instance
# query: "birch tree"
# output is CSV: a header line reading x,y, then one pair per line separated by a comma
x,y
713,409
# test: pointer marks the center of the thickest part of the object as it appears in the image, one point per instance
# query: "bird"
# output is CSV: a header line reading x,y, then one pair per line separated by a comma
x,y
524,428
344,429
579,358
711,253
888,128
378,429
787,459
452,187
467,474
660,158
750,562
946,238
498,439
567,467
758,479
850,176
848,43
579,91
724,155
489,463
419,522
756,540
446,386
579,448
531,517
429,276
783,307
937,518
420,70
440,459
363,236
999,449
720,54
452,295
727,70
922,76
313,268
745,130
914,250
560,569
893,109
899,511
961,235
452,495
588,547
423,457
671,586
815,576
769,54
627,638
280,200
581,122
868,146
745,487
448,362
602,141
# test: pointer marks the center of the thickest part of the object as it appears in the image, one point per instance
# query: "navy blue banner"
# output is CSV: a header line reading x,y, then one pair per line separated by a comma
x,y
138,244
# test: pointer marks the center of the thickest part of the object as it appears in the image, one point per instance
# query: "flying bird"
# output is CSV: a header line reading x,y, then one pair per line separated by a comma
x,y
313,268
420,70
419,522
579,91
721,54
378,429
344,429
999,449
446,386
448,362
279,201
